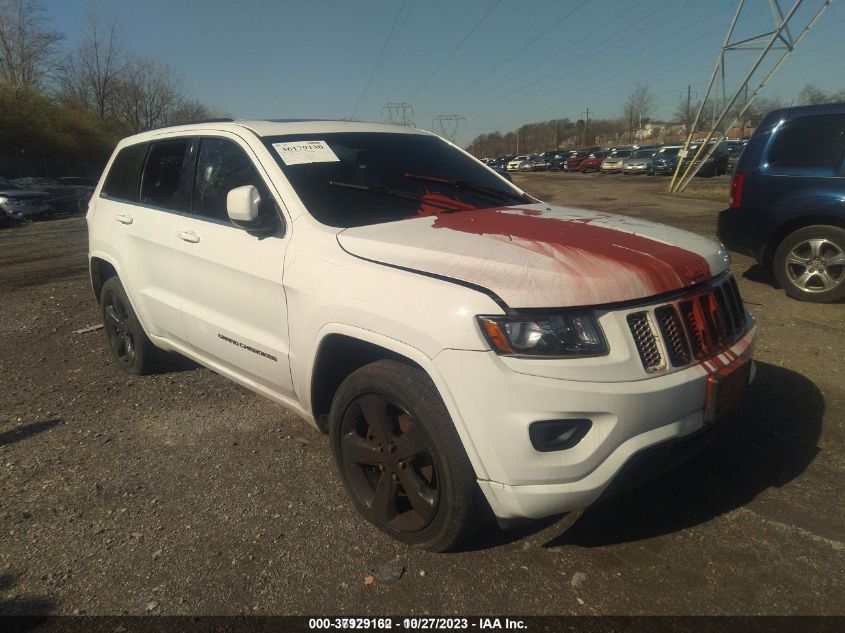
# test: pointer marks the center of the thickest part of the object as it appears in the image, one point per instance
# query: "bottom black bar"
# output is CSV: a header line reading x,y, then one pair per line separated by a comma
x,y
573,624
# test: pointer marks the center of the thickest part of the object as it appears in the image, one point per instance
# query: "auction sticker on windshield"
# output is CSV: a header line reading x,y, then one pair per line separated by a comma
x,y
301,152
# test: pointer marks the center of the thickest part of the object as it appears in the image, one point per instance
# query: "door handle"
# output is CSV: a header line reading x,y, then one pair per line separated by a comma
x,y
124,219
188,236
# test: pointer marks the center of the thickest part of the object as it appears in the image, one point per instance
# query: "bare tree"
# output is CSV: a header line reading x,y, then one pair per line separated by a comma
x,y
812,95
146,95
639,107
27,48
91,73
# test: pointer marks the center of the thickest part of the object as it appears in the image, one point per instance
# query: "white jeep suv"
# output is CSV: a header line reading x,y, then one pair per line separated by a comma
x,y
468,348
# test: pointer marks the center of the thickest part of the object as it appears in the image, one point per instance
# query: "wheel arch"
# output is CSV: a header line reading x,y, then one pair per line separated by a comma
x,y
338,355
796,224
100,271
342,349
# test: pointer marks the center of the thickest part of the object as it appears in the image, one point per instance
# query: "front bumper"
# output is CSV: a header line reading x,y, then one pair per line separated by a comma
x,y
634,169
21,211
497,405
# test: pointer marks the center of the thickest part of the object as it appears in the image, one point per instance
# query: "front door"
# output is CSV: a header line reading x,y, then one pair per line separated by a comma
x,y
234,306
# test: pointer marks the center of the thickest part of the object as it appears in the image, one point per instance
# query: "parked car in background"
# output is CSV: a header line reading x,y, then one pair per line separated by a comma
x,y
574,161
558,161
715,165
615,161
592,162
516,161
664,161
637,162
734,152
541,162
787,195
62,196
502,172
19,203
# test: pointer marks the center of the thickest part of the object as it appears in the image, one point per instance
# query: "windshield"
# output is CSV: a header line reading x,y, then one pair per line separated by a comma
x,y
643,153
368,178
8,184
623,153
670,151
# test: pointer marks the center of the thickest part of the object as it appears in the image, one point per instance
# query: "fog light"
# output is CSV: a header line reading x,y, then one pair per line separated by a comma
x,y
557,435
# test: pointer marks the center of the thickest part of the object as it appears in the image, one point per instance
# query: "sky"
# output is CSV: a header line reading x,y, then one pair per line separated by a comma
x,y
496,63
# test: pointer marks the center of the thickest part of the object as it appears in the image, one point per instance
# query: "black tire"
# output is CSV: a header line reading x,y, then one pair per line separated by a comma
x,y
131,349
381,411
805,264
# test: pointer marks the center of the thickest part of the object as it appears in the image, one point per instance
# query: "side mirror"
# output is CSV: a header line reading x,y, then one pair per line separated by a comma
x,y
242,204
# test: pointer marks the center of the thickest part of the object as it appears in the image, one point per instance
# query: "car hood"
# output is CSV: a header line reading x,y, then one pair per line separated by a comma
x,y
539,256
22,193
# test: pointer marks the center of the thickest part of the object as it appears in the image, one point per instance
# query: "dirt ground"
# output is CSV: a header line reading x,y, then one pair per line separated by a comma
x,y
182,493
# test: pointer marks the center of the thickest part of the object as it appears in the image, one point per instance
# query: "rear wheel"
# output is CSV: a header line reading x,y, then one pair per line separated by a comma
x,y
401,459
130,347
809,264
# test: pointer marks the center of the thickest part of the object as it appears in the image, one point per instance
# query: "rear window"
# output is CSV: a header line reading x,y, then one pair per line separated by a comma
x,y
813,142
125,173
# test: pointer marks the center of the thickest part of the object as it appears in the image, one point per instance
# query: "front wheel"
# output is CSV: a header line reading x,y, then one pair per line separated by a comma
x,y
401,459
809,264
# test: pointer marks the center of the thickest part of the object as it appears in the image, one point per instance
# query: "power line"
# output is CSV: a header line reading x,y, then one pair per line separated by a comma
x,y
534,40
456,49
601,46
379,60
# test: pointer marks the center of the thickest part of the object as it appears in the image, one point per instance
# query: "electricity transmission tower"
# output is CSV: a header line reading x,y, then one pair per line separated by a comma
x,y
777,43
397,113
447,125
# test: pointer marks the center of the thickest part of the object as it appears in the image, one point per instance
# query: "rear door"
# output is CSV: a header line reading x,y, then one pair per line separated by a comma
x,y
139,204
234,305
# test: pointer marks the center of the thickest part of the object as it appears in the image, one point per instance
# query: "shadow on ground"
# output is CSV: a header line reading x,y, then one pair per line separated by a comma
x,y
766,443
759,274
27,430
22,605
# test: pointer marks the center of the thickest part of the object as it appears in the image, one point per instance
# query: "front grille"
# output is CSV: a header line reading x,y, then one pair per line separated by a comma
x,y
696,326
645,340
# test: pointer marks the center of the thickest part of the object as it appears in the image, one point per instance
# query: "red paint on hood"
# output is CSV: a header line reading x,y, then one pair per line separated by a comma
x,y
667,267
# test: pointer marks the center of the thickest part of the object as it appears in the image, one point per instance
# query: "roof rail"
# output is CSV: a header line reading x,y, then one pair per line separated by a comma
x,y
195,122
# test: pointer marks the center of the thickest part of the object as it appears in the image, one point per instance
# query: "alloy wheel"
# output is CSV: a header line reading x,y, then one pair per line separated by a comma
x,y
119,329
390,463
816,265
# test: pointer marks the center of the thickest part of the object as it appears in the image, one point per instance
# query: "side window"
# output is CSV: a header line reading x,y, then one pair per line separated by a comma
x,y
163,174
125,173
222,166
812,142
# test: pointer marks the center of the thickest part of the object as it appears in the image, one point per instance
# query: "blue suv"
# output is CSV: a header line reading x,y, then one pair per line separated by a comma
x,y
787,204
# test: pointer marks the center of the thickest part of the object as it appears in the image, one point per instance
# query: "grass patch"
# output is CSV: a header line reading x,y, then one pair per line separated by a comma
x,y
717,189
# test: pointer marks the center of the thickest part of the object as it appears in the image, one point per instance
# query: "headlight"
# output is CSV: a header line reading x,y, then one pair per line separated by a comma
x,y
546,336
3,199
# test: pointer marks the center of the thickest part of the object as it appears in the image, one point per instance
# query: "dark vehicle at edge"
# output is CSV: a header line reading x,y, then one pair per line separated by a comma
x,y
787,206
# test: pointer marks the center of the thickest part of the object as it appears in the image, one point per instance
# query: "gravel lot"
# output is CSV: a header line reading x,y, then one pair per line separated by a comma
x,y
182,493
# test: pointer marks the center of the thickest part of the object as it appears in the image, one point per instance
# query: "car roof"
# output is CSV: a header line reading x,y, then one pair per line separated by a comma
x,y
277,127
807,110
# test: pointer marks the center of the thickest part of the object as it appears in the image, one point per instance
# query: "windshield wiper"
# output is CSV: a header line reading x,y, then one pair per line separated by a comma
x,y
465,185
396,193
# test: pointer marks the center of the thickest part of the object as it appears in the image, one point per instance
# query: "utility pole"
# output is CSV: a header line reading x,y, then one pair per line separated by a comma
x,y
586,127
557,135
397,113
